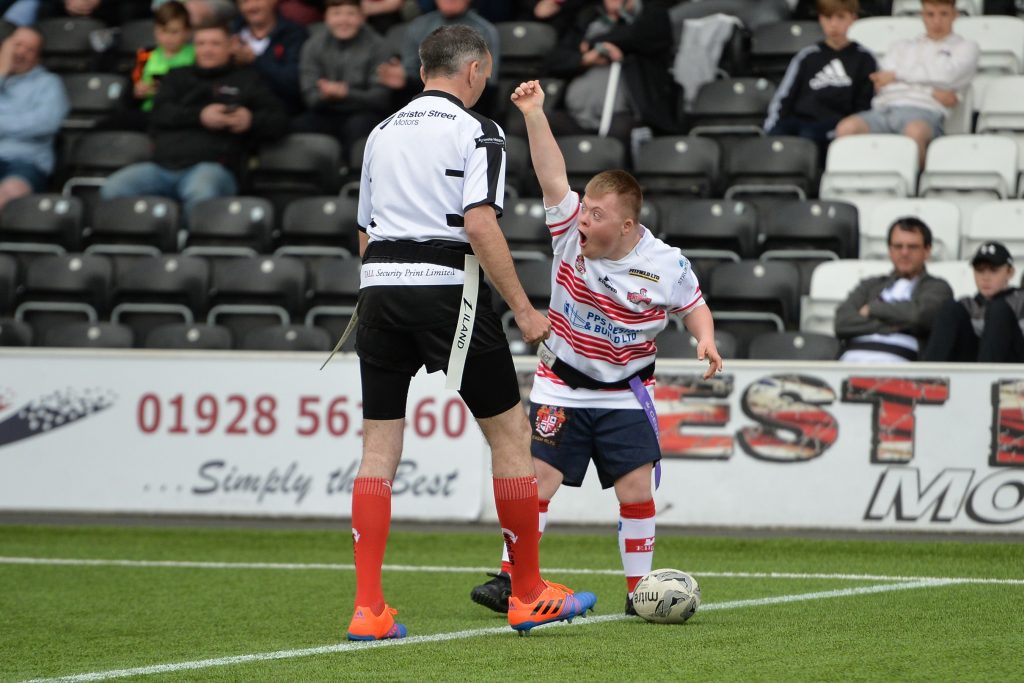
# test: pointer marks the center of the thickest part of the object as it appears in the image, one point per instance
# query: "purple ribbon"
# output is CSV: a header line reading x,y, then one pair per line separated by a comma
x,y
647,403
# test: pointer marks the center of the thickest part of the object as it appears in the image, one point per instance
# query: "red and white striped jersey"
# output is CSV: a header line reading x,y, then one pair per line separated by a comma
x,y
605,314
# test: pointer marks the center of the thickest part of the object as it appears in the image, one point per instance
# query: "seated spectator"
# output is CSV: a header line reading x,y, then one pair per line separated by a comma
x,y
887,319
825,82
33,105
302,12
20,12
404,76
639,36
986,327
381,15
173,33
919,81
204,122
338,73
273,45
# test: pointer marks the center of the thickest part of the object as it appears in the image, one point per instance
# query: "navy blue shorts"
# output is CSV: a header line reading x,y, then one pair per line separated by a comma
x,y
617,440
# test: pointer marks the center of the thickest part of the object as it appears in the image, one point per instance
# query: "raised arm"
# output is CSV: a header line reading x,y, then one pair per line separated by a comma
x,y
548,163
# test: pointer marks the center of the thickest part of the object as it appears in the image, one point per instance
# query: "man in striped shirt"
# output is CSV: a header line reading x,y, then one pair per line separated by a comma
x,y
614,284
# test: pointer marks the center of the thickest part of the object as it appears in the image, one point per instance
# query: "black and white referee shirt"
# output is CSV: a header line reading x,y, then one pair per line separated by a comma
x,y
425,166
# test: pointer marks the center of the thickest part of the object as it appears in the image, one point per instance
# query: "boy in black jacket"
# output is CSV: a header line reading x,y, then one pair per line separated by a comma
x,y
825,82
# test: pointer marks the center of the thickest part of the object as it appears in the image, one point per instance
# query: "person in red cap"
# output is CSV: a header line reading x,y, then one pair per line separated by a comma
x,y
986,327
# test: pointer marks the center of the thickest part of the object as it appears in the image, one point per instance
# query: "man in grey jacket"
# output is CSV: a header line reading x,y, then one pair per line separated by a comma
x,y
338,76
887,319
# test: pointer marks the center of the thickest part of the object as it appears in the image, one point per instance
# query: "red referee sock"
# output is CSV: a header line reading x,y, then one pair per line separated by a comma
x,y
516,501
371,522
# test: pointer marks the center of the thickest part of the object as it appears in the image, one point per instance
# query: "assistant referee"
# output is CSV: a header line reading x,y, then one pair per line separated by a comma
x,y
431,190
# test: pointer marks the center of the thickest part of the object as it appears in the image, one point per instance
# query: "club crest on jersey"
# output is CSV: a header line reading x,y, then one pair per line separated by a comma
x,y
639,297
581,266
549,422
636,272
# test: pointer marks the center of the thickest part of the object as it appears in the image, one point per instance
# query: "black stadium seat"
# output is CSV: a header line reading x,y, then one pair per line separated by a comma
x,y
90,335
297,165
710,231
524,47
752,297
248,293
66,45
64,288
94,155
523,224
146,220
14,333
326,223
185,336
773,46
675,165
224,223
43,218
334,289
732,106
809,232
794,346
588,155
94,96
9,283
287,338
771,165
159,290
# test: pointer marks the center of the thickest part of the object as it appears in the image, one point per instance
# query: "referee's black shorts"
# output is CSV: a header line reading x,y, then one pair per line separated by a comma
x,y
404,328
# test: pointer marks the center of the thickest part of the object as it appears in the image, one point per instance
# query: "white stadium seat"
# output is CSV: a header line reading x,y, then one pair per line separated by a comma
x,y
878,33
959,275
913,7
1002,221
831,283
879,165
1001,40
1002,112
969,170
942,217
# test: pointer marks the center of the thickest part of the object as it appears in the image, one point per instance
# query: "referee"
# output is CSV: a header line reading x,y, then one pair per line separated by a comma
x,y
431,190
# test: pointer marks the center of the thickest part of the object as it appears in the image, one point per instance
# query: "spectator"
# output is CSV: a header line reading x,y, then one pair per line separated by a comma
x,y
204,119
381,15
302,12
919,81
887,319
639,36
986,327
110,12
273,45
32,107
338,75
20,12
173,33
825,82
404,76
209,12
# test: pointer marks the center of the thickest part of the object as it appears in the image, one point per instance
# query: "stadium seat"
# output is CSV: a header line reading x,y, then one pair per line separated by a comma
x,y
297,165
94,96
587,155
831,283
10,283
185,336
1001,112
66,46
676,343
1000,38
805,233
147,221
913,8
773,46
1002,221
226,225
959,275
650,217
710,231
731,106
675,165
159,290
14,333
248,293
878,33
801,346
524,47
752,297
970,169
64,288
320,226
334,290
6,29
523,224
875,165
942,217
518,174
772,165
97,154
43,218
131,37
287,338
535,276
90,335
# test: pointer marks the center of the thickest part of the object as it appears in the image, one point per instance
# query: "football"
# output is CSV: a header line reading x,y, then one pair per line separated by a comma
x,y
666,596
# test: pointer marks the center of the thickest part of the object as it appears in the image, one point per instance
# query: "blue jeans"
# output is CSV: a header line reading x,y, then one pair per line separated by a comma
x,y
189,186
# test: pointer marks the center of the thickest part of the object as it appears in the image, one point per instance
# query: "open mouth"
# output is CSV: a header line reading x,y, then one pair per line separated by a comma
x,y
583,240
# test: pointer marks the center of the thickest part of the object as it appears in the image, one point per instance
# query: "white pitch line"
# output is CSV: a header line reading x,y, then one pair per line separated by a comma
x,y
294,566
460,635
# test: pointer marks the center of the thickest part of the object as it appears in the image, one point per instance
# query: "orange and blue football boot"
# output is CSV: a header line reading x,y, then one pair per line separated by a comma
x,y
556,603
366,625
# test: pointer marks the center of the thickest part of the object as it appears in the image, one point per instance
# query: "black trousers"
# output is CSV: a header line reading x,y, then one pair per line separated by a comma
x,y
953,338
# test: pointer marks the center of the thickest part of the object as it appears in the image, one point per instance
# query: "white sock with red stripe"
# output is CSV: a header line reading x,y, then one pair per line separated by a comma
x,y
542,517
636,540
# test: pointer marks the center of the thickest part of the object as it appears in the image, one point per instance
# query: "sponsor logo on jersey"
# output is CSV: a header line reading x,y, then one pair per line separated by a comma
x,y
684,263
549,421
832,75
636,272
494,141
606,281
581,265
639,297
